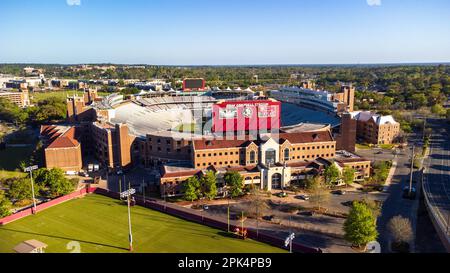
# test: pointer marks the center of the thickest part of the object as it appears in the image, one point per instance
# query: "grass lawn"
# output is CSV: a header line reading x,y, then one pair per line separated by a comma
x,y
100,225
387,146
10,158
363,146
11,174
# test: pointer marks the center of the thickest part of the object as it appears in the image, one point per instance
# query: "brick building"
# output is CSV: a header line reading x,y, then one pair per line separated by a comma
x,y
21,98
376,129
61,148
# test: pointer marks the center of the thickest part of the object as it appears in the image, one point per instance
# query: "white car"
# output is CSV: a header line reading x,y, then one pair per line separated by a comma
x,y
303,197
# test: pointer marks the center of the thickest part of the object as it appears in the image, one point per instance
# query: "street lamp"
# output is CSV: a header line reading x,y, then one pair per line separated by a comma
x,y
289,240
30,169
165,193
412,169
128,194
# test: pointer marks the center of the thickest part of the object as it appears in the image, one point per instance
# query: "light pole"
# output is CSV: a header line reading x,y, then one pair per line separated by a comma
x,y
257,219
128,194
412,170
289,240
30,169
165,193
120,187
448,222
228,215
143,190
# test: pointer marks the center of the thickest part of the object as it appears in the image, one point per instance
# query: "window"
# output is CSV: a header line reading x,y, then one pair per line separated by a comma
x,y
286,154
252,157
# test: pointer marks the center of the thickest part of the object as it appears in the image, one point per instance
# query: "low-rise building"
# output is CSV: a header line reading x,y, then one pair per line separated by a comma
x,y
61,147
21,97
376,129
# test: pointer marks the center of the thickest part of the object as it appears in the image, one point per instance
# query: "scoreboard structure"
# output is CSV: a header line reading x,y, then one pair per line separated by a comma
x,y
246,116
194,85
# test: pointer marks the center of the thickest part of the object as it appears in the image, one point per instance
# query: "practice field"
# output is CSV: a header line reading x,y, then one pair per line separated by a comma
x,y
100,225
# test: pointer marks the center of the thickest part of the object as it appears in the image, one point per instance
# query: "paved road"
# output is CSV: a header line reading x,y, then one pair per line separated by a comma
x,y
394,204
437,178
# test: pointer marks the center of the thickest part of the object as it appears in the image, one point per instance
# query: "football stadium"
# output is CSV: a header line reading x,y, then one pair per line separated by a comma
x,y
180,134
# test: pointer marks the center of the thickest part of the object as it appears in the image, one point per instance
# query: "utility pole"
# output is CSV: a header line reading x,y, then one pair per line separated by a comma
x,y
448,222
30,169
143,189
257,219
228,215
165,193
242,224
120,187
412,170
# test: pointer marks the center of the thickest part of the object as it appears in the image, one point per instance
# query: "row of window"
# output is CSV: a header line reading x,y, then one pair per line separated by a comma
x,y
168,150
169,142
226,163
313,148
220,154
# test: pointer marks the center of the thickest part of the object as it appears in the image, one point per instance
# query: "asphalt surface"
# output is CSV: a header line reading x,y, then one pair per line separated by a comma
x,y
395,204
437,177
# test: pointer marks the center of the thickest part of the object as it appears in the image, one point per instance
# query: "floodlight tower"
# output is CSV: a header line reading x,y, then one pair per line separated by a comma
x,y
30,169
128,194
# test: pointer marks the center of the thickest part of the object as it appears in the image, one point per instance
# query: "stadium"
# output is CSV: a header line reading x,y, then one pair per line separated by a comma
x,y
184,133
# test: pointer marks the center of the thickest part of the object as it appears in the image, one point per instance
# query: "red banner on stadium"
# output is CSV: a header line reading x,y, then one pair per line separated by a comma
x,y
238,116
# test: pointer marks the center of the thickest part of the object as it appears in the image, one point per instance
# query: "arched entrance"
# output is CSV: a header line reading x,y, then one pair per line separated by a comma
x,y
276,181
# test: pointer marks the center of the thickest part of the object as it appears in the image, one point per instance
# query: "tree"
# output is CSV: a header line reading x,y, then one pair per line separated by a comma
x,y
438,110
5,205
192,189
54,182
400,229
235,183
360,227
318,192
49,110
11,112
258,204
348,176
418,100
209,185
20,189
331,175
381,172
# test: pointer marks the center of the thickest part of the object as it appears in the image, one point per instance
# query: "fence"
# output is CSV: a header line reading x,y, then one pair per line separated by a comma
x,y
43,206
440,224
205,220
155,205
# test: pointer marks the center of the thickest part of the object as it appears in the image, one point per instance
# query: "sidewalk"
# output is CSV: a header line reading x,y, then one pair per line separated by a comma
x,y
391,173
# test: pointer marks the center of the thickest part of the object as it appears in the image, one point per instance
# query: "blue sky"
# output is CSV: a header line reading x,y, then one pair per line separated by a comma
x,y
194,32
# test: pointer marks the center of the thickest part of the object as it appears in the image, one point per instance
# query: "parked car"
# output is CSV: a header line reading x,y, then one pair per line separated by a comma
x,y
308,213
409,194
303,197
282,194
340,192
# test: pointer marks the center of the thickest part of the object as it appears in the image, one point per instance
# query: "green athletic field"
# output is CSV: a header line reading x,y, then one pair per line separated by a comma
x,y
100,225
